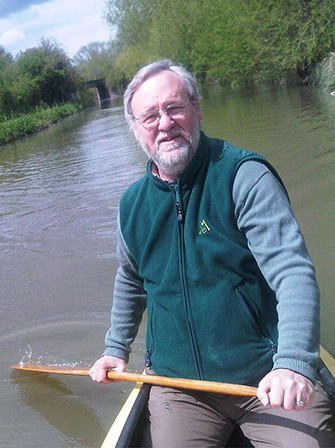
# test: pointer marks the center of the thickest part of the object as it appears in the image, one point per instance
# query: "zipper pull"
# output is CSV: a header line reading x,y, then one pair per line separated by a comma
x,y
178,204
179,213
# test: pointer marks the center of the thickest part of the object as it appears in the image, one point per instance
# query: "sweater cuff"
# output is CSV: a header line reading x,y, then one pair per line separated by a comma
x,y
112,351
301,367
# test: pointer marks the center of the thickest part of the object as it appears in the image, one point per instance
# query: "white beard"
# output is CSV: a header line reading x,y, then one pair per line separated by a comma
x,y
172,160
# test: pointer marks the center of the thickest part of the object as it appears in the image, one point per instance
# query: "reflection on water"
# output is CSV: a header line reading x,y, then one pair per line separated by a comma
x,y
68,415
59,196
57,410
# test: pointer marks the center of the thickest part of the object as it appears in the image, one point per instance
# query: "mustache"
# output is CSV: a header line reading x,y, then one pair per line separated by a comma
x,y
174,132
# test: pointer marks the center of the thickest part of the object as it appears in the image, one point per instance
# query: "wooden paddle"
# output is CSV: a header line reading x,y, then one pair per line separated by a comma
x,y
205,386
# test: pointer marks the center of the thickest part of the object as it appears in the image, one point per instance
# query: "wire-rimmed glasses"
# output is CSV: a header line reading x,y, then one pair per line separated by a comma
x,y
175,110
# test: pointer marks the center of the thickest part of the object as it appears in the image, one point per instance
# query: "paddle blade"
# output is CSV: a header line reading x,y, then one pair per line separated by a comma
x,y
67,370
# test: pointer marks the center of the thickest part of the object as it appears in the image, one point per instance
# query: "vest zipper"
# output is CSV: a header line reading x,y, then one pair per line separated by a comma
x,y
179,213
180,219
175,189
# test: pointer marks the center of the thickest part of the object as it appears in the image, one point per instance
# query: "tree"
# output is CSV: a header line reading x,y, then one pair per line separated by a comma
x,y
94,60
225,40
97,60
48,69
132,19
39,75
5,58
6,98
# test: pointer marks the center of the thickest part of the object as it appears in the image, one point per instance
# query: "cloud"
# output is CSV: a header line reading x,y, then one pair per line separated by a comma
x,y
74,23
8,7
11,37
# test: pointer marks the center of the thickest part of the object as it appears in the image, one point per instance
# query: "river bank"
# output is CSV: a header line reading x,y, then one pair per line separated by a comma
x,y
14,128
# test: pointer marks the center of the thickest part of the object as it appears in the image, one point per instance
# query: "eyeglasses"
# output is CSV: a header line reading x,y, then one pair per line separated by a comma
x,y
150,119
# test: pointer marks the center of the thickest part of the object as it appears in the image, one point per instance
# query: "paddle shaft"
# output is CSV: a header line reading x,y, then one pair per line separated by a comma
x,y
205,386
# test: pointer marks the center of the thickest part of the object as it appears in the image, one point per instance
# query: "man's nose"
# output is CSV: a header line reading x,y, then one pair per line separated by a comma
x,y
165,122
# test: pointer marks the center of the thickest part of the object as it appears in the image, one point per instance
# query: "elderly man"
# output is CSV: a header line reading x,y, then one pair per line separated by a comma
x,y
208,244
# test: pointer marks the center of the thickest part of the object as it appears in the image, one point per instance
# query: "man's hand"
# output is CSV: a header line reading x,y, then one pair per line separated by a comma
x,y
98,372
283,388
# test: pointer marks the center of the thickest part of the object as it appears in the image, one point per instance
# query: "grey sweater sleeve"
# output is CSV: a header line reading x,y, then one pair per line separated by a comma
x,y
265,216
129,304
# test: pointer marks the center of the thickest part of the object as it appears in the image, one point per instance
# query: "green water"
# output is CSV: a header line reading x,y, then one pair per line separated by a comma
x,y
59,195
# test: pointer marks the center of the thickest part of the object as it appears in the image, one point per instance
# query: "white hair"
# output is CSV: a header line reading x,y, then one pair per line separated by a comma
x,y
153,69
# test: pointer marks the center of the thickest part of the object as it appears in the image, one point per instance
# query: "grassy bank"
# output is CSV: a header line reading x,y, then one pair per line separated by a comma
x,y
14,127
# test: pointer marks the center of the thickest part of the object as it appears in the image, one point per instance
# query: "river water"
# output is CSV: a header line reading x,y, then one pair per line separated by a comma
x,y
59,195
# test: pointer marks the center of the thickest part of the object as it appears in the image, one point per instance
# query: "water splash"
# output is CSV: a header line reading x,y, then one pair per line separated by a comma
x,y
27,357
46,359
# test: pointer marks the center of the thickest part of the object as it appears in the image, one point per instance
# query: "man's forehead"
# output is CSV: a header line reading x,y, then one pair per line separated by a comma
x,y
161,76
158,87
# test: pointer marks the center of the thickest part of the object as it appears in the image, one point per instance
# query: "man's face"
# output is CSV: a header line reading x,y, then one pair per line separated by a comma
x,y
170,143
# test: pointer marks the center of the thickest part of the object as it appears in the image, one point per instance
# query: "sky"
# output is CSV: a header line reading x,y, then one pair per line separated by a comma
x,y
73,23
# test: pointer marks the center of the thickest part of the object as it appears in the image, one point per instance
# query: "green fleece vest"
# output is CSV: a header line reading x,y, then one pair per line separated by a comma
x,y
211,314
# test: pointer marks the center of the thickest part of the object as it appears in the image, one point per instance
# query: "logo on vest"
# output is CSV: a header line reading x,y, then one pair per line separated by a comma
x,y
204,227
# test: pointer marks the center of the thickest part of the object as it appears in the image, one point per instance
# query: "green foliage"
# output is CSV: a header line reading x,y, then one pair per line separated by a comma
x,y
97,60
225,41
94,60
51,70
5,58
132,19
43,74
14,127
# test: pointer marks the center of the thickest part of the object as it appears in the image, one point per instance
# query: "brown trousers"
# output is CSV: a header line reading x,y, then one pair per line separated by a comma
x,y
191,419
